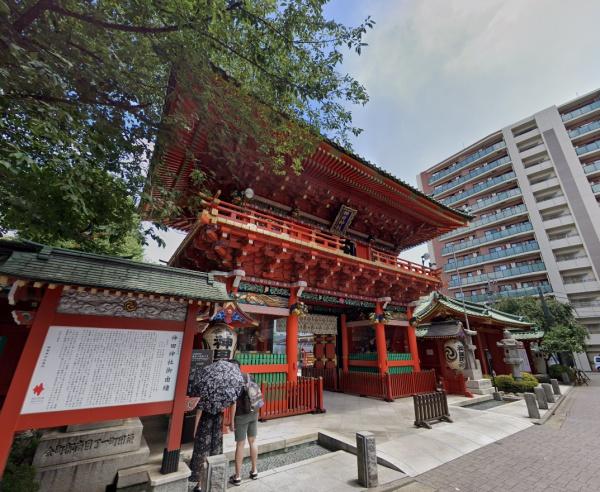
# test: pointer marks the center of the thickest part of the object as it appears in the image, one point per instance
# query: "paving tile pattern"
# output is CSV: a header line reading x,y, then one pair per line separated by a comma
x,y
561,455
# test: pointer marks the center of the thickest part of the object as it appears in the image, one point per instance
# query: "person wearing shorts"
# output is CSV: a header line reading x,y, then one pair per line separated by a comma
x,y
245,427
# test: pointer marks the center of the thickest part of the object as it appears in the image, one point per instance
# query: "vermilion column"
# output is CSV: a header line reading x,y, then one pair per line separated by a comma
x,y
291,341
382,361
345,342
412,342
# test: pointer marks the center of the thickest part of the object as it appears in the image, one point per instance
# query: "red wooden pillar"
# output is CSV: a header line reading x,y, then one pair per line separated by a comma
x,y
482,357
170,461
345,342
291,341
11,409
411,333
382,360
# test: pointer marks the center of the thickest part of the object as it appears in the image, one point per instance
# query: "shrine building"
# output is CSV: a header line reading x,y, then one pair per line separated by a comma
x,y
313,257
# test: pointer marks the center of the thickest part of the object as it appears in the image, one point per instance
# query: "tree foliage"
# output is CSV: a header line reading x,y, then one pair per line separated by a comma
x,y
563,332
83,86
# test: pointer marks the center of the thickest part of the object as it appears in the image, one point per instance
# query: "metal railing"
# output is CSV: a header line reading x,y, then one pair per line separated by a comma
x,y
478,188
489,219
466,161
496,255
580,111
520,292
473,174
509,231
500,274
581,130
596,187
273,224
592,167
496,198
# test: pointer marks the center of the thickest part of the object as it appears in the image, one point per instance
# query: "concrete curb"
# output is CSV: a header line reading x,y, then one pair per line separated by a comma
x,y
407,484
552,410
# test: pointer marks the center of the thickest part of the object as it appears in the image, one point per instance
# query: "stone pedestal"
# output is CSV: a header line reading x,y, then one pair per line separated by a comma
x,y
549,393
366,456
555,386
170,482
218,468
480,386
540,395
88,457
532,408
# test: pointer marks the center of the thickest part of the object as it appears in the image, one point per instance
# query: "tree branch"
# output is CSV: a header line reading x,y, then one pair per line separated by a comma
x,y
113,26
31,14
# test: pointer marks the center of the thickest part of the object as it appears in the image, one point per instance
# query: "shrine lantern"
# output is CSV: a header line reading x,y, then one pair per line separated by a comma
x,y
454,352
220,338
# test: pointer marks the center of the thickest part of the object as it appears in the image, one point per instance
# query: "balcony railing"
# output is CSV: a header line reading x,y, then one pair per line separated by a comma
x,y
466,161
577,280
271,224
496,198
490,219
580,111
509,231
500,274
521,292
596,188
584,149
473,174
581,130
479,188
592,167
496,255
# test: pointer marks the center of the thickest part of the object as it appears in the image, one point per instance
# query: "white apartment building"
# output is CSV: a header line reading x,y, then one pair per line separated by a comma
x,y
533,188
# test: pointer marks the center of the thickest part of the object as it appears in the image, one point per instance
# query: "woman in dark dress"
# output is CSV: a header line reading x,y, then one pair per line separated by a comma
x,y
207,442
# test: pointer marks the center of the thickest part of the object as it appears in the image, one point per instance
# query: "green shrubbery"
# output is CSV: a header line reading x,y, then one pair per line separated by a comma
x,y
506,382
19,475
557,370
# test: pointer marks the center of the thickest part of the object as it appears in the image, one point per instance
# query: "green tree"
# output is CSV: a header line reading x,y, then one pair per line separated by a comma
x,y
563,332
83,86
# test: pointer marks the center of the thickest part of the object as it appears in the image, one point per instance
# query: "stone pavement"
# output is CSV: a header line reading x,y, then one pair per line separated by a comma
x,y
561,455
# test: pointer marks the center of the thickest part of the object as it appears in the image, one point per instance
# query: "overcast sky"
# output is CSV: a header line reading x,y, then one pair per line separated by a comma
x,y
441,74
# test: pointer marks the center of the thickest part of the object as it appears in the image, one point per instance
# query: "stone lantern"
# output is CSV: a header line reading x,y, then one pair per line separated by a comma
x,y
512,356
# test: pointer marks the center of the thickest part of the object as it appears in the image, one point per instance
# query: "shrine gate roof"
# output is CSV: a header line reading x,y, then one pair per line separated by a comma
x,y
437,305
36,262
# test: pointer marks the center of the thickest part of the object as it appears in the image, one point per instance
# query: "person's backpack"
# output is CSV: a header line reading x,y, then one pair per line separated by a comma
x,y
252,398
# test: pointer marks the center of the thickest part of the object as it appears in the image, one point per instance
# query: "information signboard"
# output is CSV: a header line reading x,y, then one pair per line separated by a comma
x,y
200,359
98,367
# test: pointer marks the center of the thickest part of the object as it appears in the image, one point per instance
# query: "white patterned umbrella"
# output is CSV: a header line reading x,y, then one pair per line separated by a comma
x,y
218,386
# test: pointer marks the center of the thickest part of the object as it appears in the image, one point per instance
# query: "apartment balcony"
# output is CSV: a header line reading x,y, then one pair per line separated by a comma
x,y
521,292
573,263
538,149
564,240
577,286
527,135
467,161
585,130
537,168
582,111
512,231
547,183
551,202
513,252
482,171
558,221
586,309
509,213
588,149
596,188
499,275
495,200
479,188
592,168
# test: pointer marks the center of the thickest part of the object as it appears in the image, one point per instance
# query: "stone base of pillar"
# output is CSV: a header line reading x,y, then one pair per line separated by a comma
x,y
171,482
480,386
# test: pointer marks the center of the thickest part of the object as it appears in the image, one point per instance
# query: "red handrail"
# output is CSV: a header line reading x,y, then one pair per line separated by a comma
x,y
278,225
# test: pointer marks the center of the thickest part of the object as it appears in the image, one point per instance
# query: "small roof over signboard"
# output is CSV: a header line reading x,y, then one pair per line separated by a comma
x,y
438,306
443,329
25,260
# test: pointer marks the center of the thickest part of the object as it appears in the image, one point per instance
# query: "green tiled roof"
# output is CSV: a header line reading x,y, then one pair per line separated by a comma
x,y
528,335
36,262
436,300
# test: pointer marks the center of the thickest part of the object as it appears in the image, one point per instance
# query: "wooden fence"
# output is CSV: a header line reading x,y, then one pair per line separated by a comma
x,y
456,385
431,407
387,386
285,399
329,375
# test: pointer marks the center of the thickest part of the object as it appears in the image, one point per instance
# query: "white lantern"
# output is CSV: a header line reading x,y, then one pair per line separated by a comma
x,y
454,351
220,338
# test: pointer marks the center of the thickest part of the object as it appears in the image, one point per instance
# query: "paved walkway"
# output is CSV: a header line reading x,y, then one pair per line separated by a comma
x,y
561,455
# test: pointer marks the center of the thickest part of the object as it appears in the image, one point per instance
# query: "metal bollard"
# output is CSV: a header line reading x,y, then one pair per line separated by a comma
x,y
540,395
366,457
532,408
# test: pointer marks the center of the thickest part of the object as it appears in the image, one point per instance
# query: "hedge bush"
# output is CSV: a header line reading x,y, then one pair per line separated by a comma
x,y
556,370
506,382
